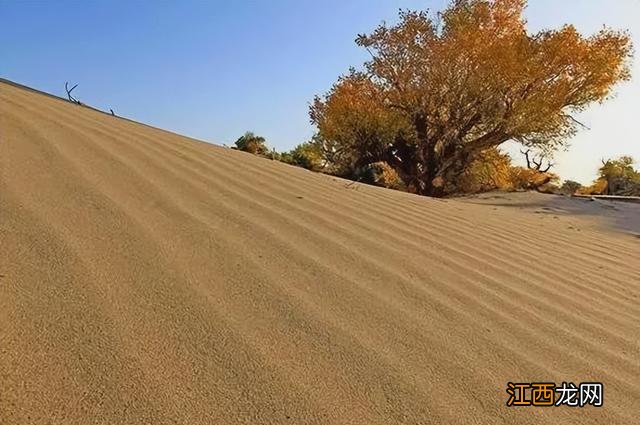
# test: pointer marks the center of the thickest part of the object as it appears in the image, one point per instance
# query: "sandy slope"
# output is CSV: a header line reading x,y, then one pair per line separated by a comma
x,y
151,278
600,213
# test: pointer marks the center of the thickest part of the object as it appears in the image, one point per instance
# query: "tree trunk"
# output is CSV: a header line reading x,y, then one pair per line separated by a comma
x,y
428,171
426,159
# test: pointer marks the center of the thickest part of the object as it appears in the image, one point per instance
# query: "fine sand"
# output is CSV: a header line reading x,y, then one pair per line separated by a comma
x,y
149,278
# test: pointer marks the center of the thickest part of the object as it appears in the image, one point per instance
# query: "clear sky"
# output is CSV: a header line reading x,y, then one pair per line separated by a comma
x,y
215,69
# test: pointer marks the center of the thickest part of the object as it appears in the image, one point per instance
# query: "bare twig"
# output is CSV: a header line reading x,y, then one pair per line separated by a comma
x,y
536,162
69,95
576,121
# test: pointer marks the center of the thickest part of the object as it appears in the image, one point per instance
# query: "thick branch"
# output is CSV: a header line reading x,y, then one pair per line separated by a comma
x,y
467,150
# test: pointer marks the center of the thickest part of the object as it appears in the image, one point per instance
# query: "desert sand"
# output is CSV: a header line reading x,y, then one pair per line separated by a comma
x,y
147,277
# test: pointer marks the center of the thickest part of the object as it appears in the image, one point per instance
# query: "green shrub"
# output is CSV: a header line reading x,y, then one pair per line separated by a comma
x,y
251,143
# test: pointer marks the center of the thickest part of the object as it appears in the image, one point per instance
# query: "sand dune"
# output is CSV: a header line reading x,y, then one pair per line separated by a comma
x,y
151,278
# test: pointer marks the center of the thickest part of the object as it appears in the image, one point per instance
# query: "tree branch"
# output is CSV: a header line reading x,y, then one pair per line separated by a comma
x,y
537,163
576,121
69,95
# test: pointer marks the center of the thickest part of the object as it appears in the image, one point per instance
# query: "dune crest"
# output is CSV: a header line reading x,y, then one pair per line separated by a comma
x,y
146,277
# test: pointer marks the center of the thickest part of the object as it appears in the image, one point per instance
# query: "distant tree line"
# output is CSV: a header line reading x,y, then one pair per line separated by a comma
x,y
306,155
490,170
615,177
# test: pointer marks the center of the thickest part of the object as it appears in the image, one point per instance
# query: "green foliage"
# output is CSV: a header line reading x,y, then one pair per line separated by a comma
x,y
569,187
251,143
286,157
308,155
619,177
618,168
274,155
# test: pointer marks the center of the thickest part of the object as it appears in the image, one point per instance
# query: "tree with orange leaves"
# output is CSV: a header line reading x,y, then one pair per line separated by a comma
x,y
437,92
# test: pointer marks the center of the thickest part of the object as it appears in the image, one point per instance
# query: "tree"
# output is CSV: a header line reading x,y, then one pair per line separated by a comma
x,y
438,91
620,176
251,143
617,168
569,187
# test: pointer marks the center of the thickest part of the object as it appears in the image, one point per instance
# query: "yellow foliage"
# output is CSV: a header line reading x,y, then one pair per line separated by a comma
x,y
598,187
492,169
437,93
380,174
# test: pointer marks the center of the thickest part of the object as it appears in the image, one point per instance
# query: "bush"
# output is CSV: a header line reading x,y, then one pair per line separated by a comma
x,y
569,187
273,155
522,178
307,155
379,174
598,187
492,169
251,143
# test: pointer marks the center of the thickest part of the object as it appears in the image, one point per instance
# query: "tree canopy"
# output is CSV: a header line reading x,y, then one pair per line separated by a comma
x,y
620,176
440,90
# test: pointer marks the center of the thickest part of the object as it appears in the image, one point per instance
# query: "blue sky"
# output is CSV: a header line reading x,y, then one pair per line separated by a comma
x,y
213,70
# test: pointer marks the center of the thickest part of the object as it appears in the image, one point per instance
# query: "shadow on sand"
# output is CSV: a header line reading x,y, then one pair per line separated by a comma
x,y
621,216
